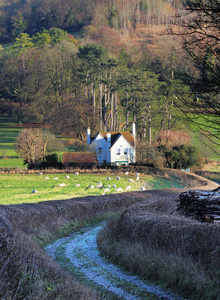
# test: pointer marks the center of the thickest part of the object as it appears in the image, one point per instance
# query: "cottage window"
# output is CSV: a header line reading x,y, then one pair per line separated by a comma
x,y
100,150
125,151
118,151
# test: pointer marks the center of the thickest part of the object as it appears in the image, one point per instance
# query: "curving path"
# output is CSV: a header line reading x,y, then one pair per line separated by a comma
x,y
79,254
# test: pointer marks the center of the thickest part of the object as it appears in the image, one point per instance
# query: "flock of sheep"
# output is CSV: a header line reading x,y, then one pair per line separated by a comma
x,y
100,185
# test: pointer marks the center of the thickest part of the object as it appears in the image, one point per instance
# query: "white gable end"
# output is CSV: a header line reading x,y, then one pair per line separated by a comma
x,y
99,144
122,152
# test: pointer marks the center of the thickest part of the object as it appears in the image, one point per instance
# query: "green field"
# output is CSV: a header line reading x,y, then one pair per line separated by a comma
x,y
202,140
8,132
17,189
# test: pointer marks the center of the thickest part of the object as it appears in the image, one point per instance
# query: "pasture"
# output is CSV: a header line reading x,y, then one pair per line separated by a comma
x,y
17,188
8,132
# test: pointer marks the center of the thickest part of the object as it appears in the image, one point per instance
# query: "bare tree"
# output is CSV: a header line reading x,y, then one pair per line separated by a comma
x,y
35,144
29,145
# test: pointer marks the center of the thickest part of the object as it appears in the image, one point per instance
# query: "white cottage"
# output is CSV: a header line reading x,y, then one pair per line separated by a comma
x,y
113,147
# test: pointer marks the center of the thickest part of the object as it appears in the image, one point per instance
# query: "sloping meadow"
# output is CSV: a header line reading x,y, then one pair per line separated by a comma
x,y
25,270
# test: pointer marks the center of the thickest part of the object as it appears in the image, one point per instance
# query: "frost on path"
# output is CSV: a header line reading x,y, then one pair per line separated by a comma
x,y
80,253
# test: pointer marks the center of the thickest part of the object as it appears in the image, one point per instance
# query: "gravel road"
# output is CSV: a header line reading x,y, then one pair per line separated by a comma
x,y
79,254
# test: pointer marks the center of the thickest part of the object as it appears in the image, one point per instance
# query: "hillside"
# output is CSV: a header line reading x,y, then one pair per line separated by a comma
x,y
31,16
104,64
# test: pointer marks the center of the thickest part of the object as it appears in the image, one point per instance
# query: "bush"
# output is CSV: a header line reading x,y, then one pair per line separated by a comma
x,y
51,161
179,157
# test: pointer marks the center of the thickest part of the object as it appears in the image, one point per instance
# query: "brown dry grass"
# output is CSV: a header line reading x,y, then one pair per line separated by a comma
x,y
153,241
26,272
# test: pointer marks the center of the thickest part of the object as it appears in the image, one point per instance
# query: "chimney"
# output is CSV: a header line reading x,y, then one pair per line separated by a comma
x,y
133,130
108,140
108,154
88,136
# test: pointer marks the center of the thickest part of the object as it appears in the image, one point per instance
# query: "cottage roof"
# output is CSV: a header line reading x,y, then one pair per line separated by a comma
x,y
115,135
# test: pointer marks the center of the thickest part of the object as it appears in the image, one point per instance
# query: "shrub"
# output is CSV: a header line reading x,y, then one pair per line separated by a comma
x,y
51,161
179,157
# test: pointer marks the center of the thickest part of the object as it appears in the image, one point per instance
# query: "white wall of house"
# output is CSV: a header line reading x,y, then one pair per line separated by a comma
x,y
122,152
100,146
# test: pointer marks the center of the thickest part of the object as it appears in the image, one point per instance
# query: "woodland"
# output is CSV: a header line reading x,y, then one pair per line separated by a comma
x,y
72,64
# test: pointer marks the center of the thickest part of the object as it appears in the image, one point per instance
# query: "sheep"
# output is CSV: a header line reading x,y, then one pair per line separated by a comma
x,y
55,178
61,184
131,180
137,178
34,191
67,177
46,178
118,178
78,185
119,189
126,173
99,185
143,188
106,190
128,187
137,174
108,178
76,173
114,186
40,174
91,186
109,186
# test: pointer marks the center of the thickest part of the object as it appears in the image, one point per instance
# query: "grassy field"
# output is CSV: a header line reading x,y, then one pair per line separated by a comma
x,y
8,132
17,189
201,139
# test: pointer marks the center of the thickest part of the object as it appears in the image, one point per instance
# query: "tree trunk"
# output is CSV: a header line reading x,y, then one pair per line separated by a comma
x,y
92,99
94,111
127,112
100,102
164,116
115,112
149,124
112,113
144,126
134,110
105,108
169,119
